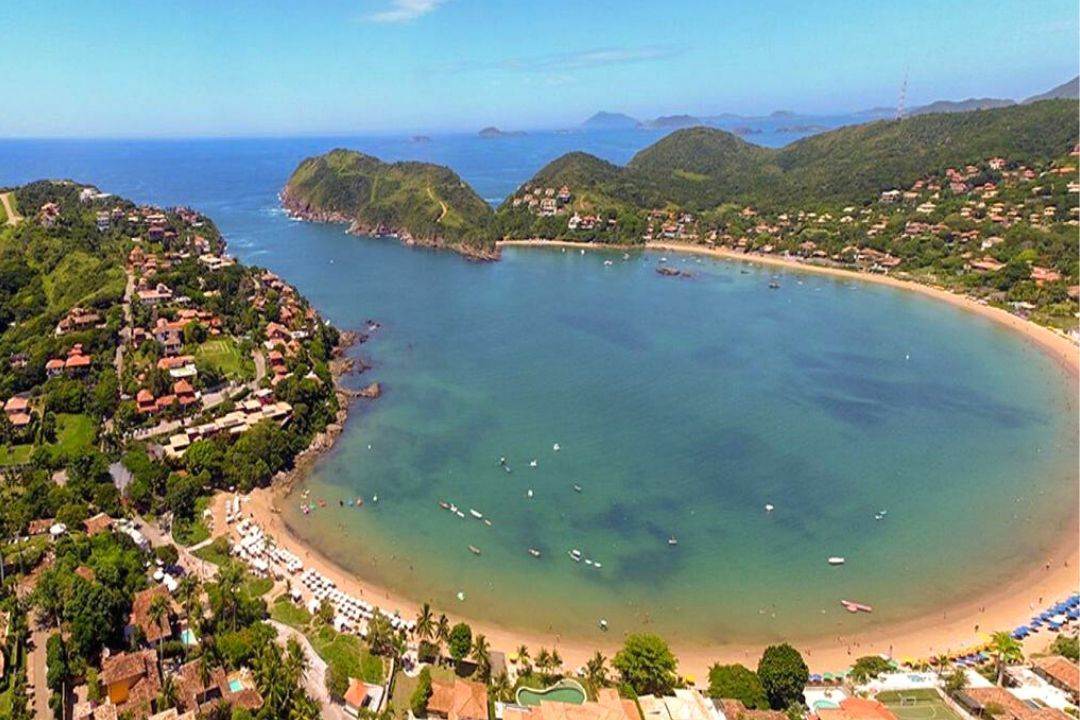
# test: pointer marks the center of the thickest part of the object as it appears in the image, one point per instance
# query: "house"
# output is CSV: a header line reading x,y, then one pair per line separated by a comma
x,y
1005,705
276,332
179,366
608,706
90,710
185,393
98,524
986,264
685,704
140,616
459,700
362,695
173,714
1043,275
131,681
77,319
144,402
154,296
216,262
77,364
198,698
50,213
1060,672
54,367
856,709
40,527
17,410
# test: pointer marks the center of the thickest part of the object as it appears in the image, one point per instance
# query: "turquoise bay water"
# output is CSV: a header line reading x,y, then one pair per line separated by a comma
x,y
682,407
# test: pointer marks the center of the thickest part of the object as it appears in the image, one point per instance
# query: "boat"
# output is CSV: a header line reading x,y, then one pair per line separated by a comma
x,y
460,514
502,461
534,552
854,607
836,560
672,541
453,508
577,488
444,505
487,522
774,286
476,514
576,555
597,565
880,514
374,498
608,262
556,447
588,561
532,464
507,469
529,493
603,625
474,550
769,507
626,256
359,502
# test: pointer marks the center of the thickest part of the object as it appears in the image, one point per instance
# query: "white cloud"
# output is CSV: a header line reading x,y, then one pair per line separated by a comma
x,y
403,11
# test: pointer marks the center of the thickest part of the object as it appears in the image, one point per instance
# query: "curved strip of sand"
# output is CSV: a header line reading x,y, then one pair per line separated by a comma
x,y
954,630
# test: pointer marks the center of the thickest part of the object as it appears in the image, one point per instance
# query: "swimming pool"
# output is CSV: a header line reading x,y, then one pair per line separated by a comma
x,y
820,704
235,685
565,691
188,637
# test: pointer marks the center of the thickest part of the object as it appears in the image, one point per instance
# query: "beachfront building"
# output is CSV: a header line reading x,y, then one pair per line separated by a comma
x,y
685,704
1059,672
362,696
608,706
980,701
856,709
461,700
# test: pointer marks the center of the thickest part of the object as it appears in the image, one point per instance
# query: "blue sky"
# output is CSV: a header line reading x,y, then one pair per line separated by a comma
x,y
238,67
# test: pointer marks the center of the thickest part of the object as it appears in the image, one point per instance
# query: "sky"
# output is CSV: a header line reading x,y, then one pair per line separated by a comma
x,y
177,68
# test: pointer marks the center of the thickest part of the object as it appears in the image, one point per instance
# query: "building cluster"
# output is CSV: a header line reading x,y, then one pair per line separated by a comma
x,y
543,201
247,414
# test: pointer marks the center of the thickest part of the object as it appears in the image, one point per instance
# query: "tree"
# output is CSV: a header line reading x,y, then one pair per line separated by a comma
x,y
158,615
523,656
337,682
442,630
56,659
481,655
169,694
955,682
783,675
543,660
596,670
501,688
1066,646
737,682
460,641
419,700
425,623
646,664
869,667
1006,649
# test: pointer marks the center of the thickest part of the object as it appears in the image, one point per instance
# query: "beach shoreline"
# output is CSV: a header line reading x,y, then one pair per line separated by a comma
x,y
1005,608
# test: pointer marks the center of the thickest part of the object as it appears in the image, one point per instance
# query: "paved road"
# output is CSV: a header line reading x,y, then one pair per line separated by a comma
x,y
37,674
125,331
315,677
260,368
13,218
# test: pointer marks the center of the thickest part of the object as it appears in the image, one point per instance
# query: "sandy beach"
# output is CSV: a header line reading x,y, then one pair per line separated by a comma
x,y
955,628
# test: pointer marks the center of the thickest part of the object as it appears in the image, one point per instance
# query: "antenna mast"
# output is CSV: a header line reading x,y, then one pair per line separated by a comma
x,y
901,111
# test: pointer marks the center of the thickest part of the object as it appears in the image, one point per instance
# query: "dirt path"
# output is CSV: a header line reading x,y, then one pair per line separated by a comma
x,y
13,217
445,209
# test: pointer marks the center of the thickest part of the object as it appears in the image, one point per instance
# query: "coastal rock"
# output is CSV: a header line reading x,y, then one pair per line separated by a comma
x,y
371,392
672,272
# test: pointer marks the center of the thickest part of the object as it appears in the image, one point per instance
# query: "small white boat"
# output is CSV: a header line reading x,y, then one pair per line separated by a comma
x,y
476,514
577,488
532,464
880,515
555,447
597,565
588,561
534,552
374,498
528,494
836,560
769,507
575,554
608,262
603,625
672,541
487,521
453,508
474,550
444,505
460,514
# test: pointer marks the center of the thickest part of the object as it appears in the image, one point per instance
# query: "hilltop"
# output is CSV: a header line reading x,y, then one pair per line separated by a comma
x,y
1069,90
421,202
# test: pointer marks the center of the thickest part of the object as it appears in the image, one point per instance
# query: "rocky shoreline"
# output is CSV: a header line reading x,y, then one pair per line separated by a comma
x,y
302,210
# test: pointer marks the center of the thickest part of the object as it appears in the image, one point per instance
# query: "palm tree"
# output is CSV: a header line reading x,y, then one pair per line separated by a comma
x,y
543,660
556,659
501,689
1006,650
158,614
596,670
425,623
229,581
304,708
523,656
481,655
442,631
169,694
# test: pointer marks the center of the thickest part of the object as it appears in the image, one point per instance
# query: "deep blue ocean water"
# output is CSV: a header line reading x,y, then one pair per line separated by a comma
x,y
681,407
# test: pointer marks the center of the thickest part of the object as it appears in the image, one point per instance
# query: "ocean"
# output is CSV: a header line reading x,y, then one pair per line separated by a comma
x,y
681,408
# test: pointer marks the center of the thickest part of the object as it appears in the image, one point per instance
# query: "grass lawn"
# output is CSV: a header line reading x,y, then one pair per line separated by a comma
x,y
216,552
195,532
73,432
285,611
257,587
348,653
15,454
224,354
921,704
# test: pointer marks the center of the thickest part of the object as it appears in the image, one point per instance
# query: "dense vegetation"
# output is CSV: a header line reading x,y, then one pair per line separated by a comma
x,y
429,203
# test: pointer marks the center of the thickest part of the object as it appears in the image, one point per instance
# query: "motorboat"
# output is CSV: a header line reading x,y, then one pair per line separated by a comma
x,y
575,554
534,552
672,541
836,560
476,514
474,550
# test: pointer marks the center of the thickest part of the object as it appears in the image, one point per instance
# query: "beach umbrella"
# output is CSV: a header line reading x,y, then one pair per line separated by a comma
x,y
689,679
827,677
894,664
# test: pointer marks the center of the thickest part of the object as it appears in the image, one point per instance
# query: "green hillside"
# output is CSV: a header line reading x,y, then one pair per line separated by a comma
x,y
701,168
427,203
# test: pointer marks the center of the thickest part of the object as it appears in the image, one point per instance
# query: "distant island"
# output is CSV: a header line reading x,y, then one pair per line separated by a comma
x,y
807,128
420,139
610,121
746,130
671,121
492,132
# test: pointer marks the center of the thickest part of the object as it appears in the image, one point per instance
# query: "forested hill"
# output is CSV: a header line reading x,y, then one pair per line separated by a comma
x,y
700,168
421,202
